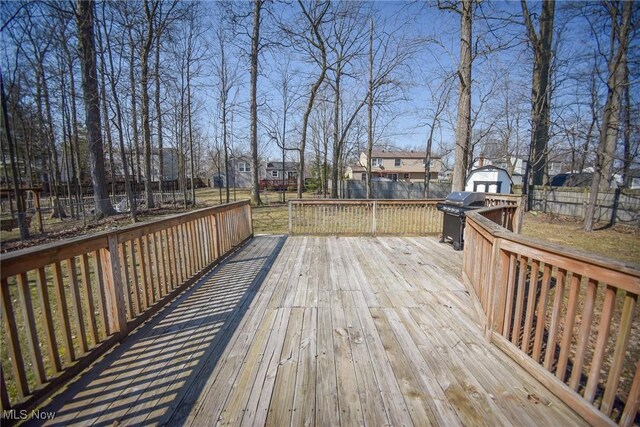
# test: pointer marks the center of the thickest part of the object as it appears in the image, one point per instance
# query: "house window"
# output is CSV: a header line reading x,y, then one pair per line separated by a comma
x,y
406,177
363,176
398,162
292,175
244,167
393,176
274,174
376,161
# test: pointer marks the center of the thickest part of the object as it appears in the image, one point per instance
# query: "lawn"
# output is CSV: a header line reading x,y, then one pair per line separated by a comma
x,y
617,242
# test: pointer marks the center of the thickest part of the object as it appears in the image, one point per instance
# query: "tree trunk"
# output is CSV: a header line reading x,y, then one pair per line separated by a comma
x,y
370,114
190,129
134,110
144,101
84,19
463,121
540,89
255,46
602,175
24,230
123,155
336,129
159,114
628,156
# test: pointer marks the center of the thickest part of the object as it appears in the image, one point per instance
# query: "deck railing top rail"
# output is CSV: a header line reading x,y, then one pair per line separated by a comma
x,y
568,317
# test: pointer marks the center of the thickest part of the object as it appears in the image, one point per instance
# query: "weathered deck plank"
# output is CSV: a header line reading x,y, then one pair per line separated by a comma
x,y
315,331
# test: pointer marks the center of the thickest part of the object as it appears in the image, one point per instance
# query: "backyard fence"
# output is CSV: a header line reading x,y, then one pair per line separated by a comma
x,y
620,206
569,318
354,189
75,211
64,304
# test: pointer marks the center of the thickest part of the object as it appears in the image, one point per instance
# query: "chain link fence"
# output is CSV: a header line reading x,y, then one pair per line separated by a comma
x,y
63,213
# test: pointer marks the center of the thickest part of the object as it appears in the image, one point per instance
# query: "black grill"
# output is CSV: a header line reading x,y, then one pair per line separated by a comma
x,y
454,208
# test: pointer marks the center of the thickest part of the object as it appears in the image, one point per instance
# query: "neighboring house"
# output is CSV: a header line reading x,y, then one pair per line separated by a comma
x,y
489,179
274,177
395,165
239,173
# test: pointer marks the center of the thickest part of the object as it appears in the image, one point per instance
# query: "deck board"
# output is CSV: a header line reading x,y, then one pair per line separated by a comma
x,y
315,331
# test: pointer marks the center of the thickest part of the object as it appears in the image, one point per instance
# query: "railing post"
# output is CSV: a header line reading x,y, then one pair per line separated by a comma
x,y
290,219
374,217
114,292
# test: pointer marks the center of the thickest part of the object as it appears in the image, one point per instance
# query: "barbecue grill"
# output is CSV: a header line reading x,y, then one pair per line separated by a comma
x,y
454,209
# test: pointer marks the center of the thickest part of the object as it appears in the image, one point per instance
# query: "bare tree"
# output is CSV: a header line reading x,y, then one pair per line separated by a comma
x,y
314,16
253,102
24,230
84,19
118,118
621,16
540,90
463,121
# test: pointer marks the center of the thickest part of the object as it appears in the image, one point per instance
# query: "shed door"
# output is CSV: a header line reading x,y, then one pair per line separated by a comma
x,y
487,186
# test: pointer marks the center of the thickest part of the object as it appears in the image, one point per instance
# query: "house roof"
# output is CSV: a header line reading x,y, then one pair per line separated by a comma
x,y
392,154
278,165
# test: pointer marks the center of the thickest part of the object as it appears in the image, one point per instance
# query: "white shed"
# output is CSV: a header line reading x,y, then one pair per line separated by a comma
x,y
489,179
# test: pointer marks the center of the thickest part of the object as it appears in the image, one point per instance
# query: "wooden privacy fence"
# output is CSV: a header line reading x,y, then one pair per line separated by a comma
x,y
571,319
358,217
64,304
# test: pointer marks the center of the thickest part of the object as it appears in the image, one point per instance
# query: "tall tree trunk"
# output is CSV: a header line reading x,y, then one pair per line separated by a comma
x,y
463,121
105,114
84,19
255,47
628,157
318,41
370,114
336,129
159,114
134,111
24,231
189,123
603,176
540,90
123,155
53,152
144,101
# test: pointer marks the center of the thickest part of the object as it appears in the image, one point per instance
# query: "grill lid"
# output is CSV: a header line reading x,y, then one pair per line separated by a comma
x,y
465,198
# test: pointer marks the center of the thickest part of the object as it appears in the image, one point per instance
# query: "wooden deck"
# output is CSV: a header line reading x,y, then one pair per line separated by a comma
x,y
315,331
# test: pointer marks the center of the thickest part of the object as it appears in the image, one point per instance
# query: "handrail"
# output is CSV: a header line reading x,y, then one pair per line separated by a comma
x,y
384,216
89,292
559,325
364,217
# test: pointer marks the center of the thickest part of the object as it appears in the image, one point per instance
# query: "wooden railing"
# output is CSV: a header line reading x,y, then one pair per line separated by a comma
x,y
64,304
364,217
570,318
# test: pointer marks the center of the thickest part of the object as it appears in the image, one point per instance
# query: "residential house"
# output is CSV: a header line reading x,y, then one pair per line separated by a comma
x,y
274,177
239,173
406,166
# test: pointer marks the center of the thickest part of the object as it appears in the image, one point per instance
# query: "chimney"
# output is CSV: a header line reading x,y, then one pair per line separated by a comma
x,y
481,160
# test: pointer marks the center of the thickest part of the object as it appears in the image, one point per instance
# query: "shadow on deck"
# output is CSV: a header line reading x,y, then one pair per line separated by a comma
x,y
161,367
316,331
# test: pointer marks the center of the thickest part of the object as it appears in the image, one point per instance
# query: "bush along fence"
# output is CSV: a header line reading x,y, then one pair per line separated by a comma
x,y
64,304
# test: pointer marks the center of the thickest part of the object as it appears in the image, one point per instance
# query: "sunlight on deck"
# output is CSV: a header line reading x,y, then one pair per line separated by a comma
x,y
319,331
